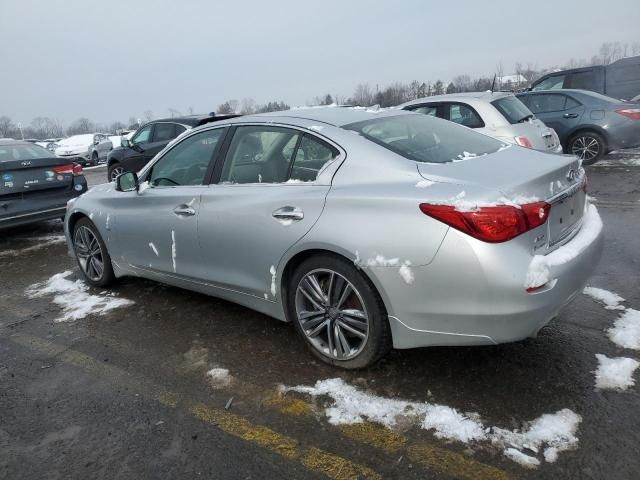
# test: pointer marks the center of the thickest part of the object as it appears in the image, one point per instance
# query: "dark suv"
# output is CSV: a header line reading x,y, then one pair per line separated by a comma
x,y
149,139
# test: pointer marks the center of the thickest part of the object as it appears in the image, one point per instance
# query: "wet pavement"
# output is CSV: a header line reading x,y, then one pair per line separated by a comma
x,y
125,395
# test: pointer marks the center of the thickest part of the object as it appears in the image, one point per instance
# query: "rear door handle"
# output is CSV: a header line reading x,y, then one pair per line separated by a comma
x,y
288,213
570,115
184,211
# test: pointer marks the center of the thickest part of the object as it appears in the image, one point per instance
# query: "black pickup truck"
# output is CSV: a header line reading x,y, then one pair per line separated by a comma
x,y
620,79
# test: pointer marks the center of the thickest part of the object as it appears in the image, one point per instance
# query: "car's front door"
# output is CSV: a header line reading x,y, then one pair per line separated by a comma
x,y
557,110
266,195
156,228
134,158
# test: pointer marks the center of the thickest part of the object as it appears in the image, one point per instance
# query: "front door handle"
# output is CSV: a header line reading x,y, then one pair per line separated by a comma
x,y
570,115
184,211
288,213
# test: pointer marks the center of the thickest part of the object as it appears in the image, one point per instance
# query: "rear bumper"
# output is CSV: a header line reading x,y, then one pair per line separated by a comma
x,y
474,293
32,208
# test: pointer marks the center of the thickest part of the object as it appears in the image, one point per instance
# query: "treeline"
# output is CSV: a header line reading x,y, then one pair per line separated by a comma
x,y
363,95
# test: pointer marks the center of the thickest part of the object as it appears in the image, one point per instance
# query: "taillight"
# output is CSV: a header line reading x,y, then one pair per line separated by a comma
x,y
72,168
493,224
523,141
632,113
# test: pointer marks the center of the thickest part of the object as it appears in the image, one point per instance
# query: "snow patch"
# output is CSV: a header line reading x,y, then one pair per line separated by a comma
x,y
219,377
626,330
615,373
610,300
272,271
424,183
155,250
142,187
74,297
44,242
173,250
551,433
539,271
317,128
406,273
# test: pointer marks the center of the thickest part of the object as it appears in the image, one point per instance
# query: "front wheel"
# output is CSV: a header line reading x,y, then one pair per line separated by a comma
x,y
94,158
338,312
91,253
588,146
114,170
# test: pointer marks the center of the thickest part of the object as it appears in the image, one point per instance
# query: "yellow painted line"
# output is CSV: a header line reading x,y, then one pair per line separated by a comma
x,y
375,435
453,464
312,458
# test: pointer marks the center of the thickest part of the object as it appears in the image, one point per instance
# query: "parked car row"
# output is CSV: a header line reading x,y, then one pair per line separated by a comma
x,y
365,229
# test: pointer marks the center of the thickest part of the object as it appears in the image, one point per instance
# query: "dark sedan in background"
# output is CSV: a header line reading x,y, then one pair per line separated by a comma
x,y
35,184
149,139
589,124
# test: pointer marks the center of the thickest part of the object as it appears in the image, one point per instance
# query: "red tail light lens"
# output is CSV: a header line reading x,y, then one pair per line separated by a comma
x,y
632,113
493,224
523,142
71,168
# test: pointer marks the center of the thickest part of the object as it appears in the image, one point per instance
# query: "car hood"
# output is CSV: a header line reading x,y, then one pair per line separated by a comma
x,y
82,147
517,173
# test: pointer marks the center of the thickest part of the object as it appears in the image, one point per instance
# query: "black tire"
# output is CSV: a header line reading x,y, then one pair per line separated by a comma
x,y
94,158
114,168
378,342
107,277
585,143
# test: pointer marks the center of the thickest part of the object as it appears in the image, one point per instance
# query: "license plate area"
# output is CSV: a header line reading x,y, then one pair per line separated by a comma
x,y
565,216
549,141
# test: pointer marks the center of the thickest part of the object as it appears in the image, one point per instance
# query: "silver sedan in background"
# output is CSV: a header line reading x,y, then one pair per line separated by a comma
x,y
366,230
498,114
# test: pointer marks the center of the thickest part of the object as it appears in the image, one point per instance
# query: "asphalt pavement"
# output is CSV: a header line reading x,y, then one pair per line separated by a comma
x,y
125,395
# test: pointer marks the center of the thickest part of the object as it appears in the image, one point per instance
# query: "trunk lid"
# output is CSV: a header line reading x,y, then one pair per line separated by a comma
x,y
23,176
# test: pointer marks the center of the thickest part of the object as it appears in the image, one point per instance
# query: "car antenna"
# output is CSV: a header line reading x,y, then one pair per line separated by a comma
x,y
493,84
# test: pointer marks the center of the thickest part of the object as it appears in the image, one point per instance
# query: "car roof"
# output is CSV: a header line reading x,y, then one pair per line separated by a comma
x,y
338,116
193,120
487,96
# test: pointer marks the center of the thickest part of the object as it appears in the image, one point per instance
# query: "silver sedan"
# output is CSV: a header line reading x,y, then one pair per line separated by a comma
x,y
366,230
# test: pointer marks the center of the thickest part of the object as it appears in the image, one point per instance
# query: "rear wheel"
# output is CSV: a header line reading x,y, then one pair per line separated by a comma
x,y
114,170
588,146
338,313
91,253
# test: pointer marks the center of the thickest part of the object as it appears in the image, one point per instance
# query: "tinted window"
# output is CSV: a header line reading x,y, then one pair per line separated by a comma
x,y
260,154
23,152
187,162
180,129
552,83
546,103
512,109
584,80
142,136
311,156
163,132
571,103
464,115
426,109
425,139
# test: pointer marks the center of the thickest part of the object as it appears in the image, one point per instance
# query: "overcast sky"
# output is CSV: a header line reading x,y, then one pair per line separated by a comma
x,y
72,58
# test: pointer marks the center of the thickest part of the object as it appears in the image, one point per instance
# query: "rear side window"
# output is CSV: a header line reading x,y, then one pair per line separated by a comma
x,y
542,103
425,139
463,114
512,109
163,132
553,82
311,156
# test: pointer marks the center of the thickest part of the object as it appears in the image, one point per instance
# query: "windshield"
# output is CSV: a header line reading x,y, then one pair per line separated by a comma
x,y
512,109
23,152
425,139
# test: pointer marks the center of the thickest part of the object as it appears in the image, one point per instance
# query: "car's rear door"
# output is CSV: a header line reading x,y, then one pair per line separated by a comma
x,y
557,110
266,195
156,228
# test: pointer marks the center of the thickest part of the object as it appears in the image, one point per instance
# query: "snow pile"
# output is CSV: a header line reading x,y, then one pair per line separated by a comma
x,y
610,300
43,242
615,373
74,297
539,271
464,156
626,330
219,377
461,204
549,434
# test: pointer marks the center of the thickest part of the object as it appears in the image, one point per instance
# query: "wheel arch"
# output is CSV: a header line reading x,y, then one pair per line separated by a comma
x,y
588,128
73,219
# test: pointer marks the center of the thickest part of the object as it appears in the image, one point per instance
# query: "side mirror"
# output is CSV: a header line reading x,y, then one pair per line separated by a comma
x,y
127,182
124,142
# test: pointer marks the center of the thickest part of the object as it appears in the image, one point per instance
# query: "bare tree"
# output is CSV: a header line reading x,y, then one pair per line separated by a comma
x,y
247,106
362,96
81,125
148,115
7,128
173,112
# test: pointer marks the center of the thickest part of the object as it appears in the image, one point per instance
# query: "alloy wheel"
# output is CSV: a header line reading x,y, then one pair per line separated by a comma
x,y
115,172
585,147
332,314
89,253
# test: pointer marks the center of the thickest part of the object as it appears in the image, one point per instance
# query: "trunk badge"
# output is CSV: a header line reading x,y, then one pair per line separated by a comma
x,y
26,163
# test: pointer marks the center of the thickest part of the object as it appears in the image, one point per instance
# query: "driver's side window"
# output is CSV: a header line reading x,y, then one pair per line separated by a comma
x,y
187,162
142,136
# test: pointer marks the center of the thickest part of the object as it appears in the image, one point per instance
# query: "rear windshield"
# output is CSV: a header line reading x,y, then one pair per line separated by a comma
x,y
512,109
425,139
10,153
